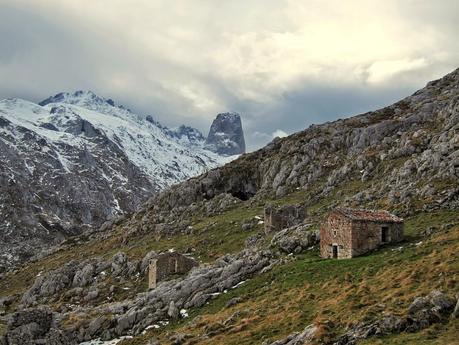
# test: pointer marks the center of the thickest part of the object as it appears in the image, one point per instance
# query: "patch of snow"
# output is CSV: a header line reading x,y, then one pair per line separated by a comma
x,y
108,342
155,326
238,284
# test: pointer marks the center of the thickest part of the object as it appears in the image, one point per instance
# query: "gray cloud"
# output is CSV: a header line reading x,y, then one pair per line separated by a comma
x,y
282,64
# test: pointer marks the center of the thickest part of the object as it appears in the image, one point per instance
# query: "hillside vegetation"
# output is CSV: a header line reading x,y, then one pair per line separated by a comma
x,y
403,158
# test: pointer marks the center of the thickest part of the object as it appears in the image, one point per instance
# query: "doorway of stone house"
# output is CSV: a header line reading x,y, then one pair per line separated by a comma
x,y
384,234
335,251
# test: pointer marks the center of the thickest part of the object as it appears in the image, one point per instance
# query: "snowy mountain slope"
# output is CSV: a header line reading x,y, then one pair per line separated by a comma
x,y
166,155
77,160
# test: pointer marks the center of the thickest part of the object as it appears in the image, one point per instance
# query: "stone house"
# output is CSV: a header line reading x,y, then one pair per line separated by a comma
x,y
167,264
346,233
281,217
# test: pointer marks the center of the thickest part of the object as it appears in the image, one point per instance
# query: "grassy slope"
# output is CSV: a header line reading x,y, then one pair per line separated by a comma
x,y
303,290
311,290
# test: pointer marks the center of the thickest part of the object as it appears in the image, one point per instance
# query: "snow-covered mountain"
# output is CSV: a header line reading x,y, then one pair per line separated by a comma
x,y
75,160
165,155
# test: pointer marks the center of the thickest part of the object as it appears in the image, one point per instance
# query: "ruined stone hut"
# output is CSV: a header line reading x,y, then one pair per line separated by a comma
x,y
281,217
167,264
346,233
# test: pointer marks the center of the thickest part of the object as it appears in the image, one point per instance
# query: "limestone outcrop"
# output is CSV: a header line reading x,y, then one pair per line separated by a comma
x,y
226,135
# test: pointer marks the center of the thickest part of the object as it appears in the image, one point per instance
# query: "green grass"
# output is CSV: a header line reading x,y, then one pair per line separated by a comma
x,y
416,224
211,238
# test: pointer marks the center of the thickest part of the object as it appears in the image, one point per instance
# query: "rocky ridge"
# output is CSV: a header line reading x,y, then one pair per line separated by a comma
x,y
395,158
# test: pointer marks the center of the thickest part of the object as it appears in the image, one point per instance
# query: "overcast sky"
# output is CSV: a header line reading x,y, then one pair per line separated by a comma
x,y
282,64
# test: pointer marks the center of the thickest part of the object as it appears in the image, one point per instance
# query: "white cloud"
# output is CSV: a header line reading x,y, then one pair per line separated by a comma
x,y
381,71
279,133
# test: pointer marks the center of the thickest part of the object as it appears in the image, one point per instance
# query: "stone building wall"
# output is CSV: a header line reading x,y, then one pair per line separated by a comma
x,y
355,237
367,235
167,264
336,230
281,217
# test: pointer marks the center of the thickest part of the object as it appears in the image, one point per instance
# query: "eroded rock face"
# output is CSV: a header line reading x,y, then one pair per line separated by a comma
x,y
130,316
79,281
35,326
226,135
192,291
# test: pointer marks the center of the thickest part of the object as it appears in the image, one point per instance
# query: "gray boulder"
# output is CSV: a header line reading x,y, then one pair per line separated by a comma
x,y
173,311
295,239
84,276
305,337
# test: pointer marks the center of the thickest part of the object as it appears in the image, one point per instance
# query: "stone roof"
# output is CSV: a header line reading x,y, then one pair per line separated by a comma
x,y
369,215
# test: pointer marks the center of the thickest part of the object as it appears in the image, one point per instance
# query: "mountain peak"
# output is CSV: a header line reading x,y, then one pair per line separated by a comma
x,y
84,98
226,135
230,116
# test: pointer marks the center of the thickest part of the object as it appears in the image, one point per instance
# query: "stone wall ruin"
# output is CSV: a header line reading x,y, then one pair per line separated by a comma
x,y
167,264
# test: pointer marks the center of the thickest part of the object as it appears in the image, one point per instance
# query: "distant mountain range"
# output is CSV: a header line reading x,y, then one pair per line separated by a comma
x,y
75,160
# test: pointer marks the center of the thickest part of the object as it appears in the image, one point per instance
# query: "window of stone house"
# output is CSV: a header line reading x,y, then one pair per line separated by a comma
x,y
335,232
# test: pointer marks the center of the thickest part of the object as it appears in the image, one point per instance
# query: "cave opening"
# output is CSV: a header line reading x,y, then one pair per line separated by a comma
x,y
242,195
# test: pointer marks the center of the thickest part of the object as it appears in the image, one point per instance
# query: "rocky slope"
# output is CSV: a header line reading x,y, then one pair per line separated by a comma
x,y
226,135
272,289
76,160
404,157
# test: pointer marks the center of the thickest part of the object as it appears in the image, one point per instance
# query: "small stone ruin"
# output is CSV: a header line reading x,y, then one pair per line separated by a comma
x,y
281,217
167,264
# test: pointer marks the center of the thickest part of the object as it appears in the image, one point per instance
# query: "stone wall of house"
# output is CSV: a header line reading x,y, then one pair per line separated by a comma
x,y
367,235
336,230
355,237
281,217
167,264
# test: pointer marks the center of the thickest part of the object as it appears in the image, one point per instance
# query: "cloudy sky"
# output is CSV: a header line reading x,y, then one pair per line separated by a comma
x,y
282,64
